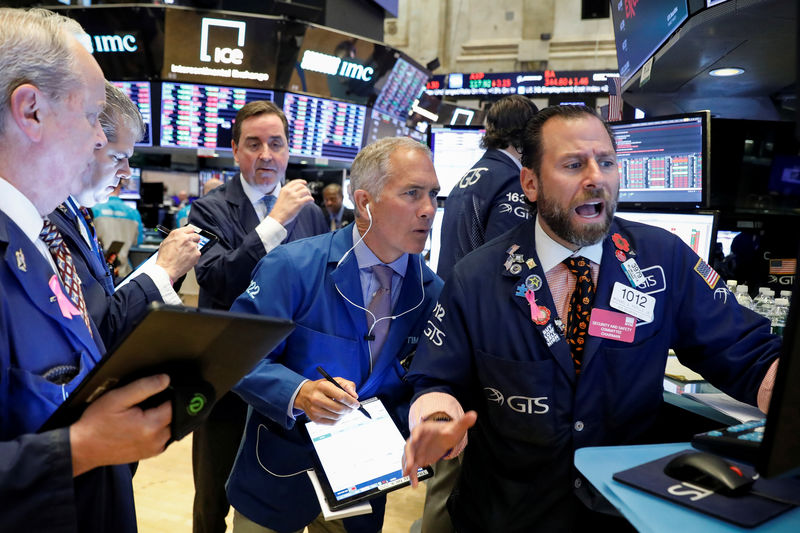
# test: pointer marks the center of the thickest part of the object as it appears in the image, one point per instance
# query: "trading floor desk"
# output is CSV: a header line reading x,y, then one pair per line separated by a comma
x,y
648,513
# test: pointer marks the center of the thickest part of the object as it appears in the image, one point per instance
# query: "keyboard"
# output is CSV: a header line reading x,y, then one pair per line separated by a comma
x,y
741,441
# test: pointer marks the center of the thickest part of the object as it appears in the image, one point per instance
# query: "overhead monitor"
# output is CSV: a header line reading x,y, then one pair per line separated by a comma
x,y
640,28
403,85
455,150
131,189
664,161
141,95
201,116
695,229
221,174
324,128
380,125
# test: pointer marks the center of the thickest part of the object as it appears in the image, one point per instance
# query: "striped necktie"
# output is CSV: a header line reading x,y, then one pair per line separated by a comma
x,y
66,269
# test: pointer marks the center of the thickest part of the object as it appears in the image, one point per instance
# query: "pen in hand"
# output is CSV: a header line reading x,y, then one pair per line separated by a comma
x,y
330,379
162,229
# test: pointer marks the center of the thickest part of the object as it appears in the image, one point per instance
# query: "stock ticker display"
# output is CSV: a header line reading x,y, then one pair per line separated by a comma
x,y
660,161
403,85
323,128
140,94
201,116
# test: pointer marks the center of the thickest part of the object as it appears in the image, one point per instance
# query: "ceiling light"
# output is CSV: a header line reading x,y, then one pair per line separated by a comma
x,y
728,71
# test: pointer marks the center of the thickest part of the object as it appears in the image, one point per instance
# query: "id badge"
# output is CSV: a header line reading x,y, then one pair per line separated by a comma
x,y
633,272
633,302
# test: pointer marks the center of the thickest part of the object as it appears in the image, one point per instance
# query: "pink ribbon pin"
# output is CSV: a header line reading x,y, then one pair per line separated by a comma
x,y
68,309
529,295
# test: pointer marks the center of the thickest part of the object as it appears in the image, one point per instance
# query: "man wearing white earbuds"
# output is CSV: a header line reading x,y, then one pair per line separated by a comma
x,y
360,297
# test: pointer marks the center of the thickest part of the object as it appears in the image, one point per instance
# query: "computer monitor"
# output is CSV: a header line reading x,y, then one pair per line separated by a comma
x,y
640,30
695,229
403,85
455,150
140,93
324,128
779,452
132,188
663,162
201,116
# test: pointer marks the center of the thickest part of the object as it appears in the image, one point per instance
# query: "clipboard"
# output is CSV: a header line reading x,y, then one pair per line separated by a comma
x,y
204,351
359,458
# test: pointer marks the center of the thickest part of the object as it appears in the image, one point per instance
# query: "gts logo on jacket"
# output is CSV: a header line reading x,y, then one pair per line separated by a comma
x,y
520,404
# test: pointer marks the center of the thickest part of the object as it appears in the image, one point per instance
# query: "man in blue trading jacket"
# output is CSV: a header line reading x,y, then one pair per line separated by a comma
x,y
547,375
51,93
332,286
116,313
251,215
488,200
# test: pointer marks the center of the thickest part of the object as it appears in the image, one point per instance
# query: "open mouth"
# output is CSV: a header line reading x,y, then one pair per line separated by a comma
x,y
591,209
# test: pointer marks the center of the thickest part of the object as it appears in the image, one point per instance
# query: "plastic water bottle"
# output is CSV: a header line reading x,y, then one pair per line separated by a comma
x,y
764,302
732,283
787,295
742,297
779,313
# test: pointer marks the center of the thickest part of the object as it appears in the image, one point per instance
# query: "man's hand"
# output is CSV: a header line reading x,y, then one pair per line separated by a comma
x,y
431,440
323,402
294,195
113,430
178,252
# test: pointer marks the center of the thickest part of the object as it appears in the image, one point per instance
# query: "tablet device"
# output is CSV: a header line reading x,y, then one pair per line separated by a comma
x,y
205,352
359,458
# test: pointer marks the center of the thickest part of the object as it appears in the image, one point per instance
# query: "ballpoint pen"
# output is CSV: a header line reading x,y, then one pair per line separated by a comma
x,y
162,229
329,378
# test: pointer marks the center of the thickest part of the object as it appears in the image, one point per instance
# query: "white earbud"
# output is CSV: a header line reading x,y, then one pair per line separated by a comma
x,y
369,215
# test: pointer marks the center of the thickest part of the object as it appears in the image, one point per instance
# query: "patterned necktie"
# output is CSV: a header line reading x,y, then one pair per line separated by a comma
x,y
380,306
66,269
580,307
269,201
87,216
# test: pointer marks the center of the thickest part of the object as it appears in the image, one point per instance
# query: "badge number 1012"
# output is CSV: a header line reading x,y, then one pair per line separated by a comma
x,y
633,302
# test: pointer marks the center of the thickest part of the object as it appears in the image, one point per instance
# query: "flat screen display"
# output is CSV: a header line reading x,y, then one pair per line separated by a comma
x,y
455,150
201,116
140,94
380,125
403,85
132,188
696,230
324,128
663,161
640,28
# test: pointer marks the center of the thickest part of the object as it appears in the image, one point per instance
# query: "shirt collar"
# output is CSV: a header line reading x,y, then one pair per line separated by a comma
x,y
511,157
20,210
552,253
254,195
367,259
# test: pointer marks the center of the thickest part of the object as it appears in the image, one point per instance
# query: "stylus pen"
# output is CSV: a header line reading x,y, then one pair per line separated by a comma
x,y
329,378
162,229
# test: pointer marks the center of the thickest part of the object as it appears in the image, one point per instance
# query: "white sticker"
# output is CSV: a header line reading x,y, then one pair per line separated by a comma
x,y
634,273
633,302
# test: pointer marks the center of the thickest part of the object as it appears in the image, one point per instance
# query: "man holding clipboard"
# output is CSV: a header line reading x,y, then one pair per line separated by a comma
x,y
360,297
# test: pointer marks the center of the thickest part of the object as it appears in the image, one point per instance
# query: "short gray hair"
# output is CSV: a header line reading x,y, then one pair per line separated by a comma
x,y
371,168
35,48
118,112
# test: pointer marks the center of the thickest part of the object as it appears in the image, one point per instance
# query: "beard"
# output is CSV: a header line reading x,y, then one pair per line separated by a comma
x,y
559,219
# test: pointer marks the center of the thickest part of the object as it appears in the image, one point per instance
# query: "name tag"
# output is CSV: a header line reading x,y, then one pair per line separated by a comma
x,y
634,273
633,302
610,325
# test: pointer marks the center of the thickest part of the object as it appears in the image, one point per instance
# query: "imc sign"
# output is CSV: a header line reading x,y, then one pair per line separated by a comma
x,y
212,49
113,43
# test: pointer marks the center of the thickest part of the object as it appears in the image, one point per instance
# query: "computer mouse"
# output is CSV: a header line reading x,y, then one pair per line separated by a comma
x,y
710,472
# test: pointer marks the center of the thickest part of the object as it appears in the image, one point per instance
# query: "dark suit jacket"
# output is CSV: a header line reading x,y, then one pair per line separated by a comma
x,y
114,313
223,272
348,216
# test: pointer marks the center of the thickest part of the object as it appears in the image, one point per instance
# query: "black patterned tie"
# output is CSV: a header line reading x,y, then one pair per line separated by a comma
x,y
580,307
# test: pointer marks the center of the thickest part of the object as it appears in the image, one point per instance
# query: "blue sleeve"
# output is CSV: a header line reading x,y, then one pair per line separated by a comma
x,y
126,307
276,290
36,484
728,344
506,210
